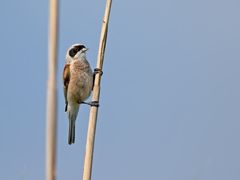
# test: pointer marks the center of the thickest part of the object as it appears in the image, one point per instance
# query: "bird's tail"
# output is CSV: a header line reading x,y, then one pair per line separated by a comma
x,y
72,116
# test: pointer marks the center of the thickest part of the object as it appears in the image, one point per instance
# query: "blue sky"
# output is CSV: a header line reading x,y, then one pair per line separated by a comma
x,y
169,97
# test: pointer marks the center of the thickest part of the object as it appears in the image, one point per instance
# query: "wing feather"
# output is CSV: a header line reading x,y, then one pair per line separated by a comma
x,y
66,79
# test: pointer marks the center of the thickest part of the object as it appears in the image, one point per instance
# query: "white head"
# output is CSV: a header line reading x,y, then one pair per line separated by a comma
x,y
76,52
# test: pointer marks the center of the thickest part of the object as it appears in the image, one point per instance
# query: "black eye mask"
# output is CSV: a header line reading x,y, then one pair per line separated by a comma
x,y
72,52
75,50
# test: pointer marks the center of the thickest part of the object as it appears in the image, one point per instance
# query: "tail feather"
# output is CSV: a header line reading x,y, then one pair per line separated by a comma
x,y
71,132
72,116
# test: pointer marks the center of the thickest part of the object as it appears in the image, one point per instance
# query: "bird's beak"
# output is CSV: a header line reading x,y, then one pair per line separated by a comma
x,y
84,49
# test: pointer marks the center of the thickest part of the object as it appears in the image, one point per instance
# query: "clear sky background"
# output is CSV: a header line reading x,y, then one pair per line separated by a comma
x,y
170,97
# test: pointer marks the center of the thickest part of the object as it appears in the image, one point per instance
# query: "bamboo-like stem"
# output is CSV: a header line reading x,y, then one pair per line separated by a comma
x,y
51,92
87,171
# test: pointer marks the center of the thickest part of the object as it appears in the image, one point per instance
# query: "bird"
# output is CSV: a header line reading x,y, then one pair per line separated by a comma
x,y
77,84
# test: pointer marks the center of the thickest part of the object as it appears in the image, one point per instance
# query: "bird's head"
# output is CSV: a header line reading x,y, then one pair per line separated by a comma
x,y
76,52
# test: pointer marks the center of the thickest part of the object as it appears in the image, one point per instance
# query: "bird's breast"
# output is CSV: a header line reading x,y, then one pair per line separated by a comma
x,y
81,81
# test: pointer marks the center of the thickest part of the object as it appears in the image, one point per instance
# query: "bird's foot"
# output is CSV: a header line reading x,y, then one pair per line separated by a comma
x,y
93,103
96,70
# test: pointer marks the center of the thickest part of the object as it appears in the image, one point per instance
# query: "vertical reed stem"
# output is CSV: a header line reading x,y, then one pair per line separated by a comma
x,y
51,92
87,171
